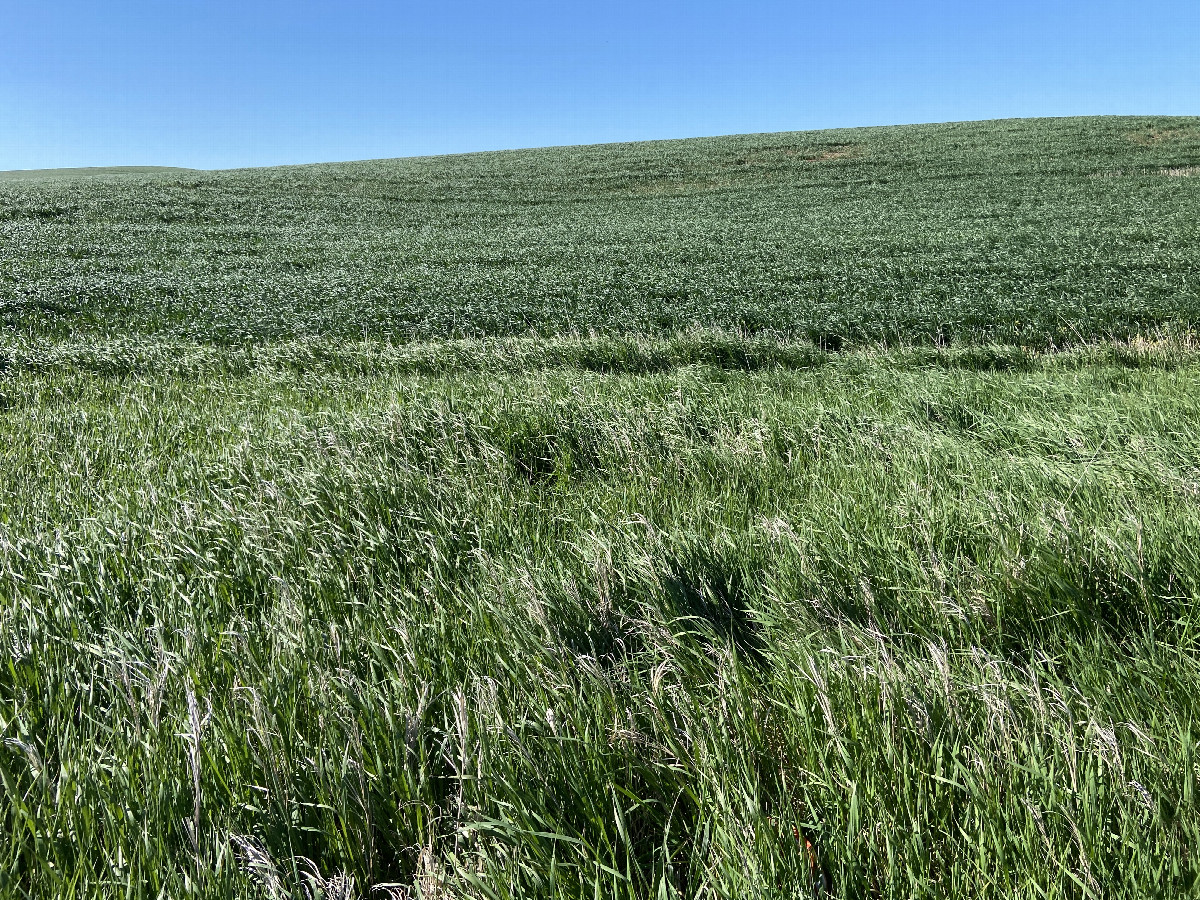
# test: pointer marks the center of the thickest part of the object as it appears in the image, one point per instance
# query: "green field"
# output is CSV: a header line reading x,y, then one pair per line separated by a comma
x,y
89,172
790,515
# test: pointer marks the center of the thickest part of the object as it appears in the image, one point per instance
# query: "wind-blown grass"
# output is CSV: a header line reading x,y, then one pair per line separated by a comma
x,y
772,516
555,631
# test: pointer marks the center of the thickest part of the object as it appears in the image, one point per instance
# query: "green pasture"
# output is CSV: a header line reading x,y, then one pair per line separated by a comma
x,y
1041,233
775,516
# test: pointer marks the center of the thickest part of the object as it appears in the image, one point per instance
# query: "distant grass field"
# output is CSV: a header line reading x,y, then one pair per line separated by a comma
x,y
781,516
1040,233
88,172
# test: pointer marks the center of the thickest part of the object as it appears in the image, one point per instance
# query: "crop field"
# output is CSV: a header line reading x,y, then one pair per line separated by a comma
x,y
774,516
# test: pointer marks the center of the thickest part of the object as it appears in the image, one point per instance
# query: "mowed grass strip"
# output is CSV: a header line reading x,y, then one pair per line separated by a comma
x,y
907,623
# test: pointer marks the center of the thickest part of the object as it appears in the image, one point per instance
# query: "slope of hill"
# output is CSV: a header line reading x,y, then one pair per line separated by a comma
x,y
88,172
1033,232
806,515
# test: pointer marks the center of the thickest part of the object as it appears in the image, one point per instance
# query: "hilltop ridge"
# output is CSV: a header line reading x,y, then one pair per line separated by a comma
x,y
89,172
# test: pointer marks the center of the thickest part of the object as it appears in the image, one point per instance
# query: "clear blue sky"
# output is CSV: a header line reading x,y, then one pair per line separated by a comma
x,y
219,84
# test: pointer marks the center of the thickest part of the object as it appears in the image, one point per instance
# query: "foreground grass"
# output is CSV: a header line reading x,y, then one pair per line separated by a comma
x,y
598,617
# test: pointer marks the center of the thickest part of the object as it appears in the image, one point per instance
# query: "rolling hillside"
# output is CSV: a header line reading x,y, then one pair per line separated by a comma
x,y
774,516
1032,232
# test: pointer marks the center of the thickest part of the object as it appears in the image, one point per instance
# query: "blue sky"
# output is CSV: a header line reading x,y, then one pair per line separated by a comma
x,y
220,84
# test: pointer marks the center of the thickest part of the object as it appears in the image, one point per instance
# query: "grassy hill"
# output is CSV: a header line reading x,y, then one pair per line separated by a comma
x,y
767,516
1032,232
72,174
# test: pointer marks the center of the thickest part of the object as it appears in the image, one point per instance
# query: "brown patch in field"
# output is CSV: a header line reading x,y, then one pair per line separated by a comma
x,y
1154,137
1180,171
842,151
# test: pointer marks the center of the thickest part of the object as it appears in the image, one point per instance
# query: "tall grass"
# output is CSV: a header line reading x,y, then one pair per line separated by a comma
x,y
706,616
788,515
